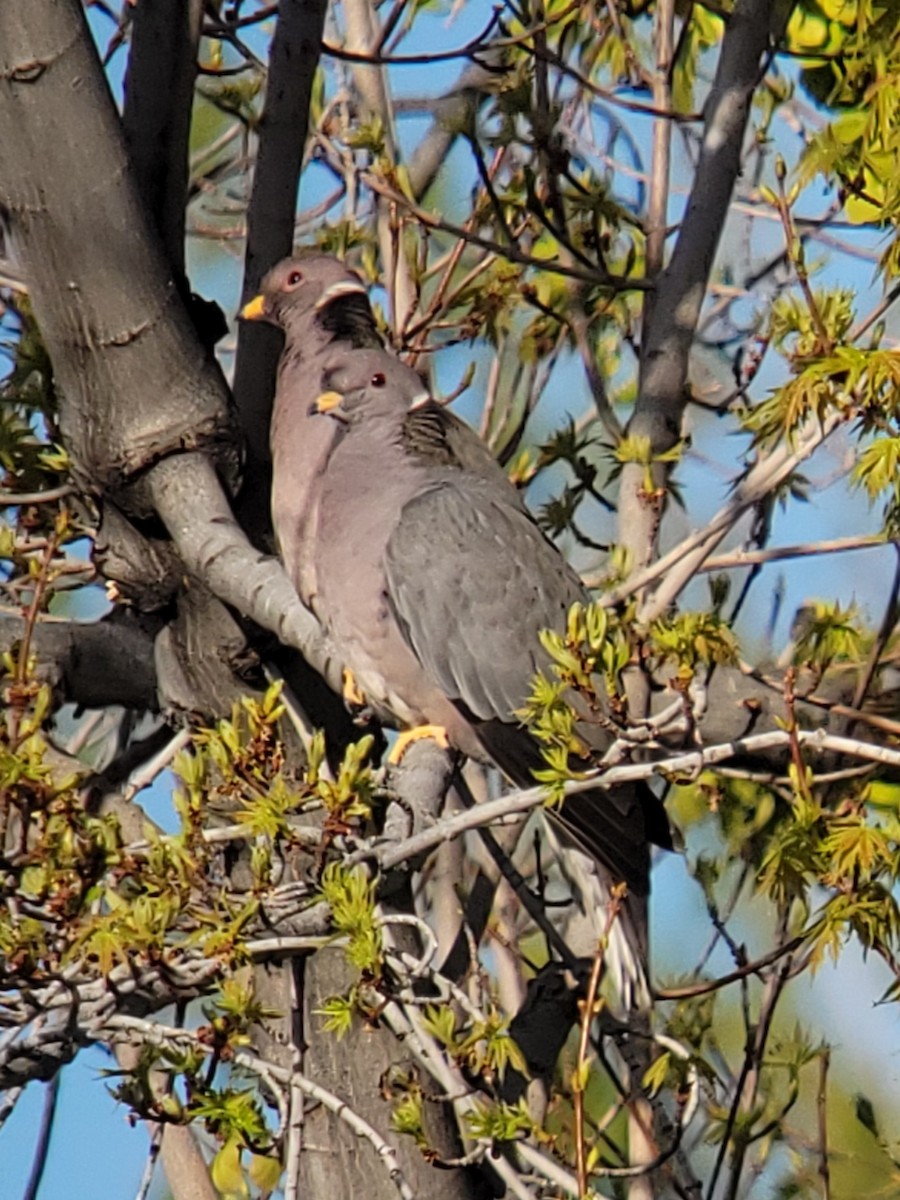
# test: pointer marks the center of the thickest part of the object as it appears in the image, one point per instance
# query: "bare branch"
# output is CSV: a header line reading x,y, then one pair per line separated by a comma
x,y
680,290
452,112
690,762
432,221
293,59
167,1035
188,497
657,209
750,558
689,555
45,1130
822,1113
159,93
363,36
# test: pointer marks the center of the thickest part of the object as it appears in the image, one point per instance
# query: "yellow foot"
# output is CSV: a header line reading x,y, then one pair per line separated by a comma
x,y
353,697
405,740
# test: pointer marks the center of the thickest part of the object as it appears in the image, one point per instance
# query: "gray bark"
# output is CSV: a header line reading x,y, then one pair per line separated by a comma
x,y
84,662
159,93
107,302
335,1163
681,287
293,60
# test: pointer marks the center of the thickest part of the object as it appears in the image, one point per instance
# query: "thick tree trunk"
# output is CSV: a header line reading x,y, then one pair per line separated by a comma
x,y
363,1065
135,383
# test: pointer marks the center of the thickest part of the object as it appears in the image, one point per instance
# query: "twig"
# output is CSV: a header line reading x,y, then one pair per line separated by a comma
x,y
153,1151
750,968
550,1169
279,946
406,1023
42,1145
363,33
822,1111
477,46
275,1076
294,1136
528,900
145,774
688,762
417,967
795,255
643,1169
511,253
720,919
596,382
417,332
46,497
587,1017
841,710
877,312
611,97
663,32
748,1081
390,24
888,624
40,586
689,555
750,558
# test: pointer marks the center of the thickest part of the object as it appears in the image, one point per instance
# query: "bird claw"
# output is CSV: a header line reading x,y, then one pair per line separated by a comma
x,y
355,699
404,740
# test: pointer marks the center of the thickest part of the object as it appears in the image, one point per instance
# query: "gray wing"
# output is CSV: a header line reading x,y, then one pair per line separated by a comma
x,y
472,581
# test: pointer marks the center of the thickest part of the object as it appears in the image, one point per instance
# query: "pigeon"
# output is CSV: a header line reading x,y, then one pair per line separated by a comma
x,y
322,306
434,582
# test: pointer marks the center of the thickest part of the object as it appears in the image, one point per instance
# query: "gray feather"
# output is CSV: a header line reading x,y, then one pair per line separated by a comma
x,y
435,583
473,581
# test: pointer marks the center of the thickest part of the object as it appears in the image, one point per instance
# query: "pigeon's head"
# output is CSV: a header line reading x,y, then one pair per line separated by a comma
x,y
368,384
298,290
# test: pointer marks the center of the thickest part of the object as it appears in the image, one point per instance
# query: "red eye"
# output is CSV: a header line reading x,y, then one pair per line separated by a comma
x,y
378,380
294,279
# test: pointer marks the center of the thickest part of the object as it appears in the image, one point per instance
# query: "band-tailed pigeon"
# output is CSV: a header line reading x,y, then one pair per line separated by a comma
x,y
322,306
434,583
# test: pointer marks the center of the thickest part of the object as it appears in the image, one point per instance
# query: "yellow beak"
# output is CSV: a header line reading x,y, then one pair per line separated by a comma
x,y
327,402
255,309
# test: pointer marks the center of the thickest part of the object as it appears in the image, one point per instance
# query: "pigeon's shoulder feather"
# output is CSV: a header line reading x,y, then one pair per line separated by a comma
x,y
431,434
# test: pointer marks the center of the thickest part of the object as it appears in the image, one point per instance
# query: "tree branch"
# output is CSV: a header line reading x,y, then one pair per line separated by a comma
x,y
681,287
189,499
85,661
453,112
282,130
689,555
159,93
162,1035
690,762
363,36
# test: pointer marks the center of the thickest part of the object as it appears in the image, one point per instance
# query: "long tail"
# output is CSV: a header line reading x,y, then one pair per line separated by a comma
x,y
619,921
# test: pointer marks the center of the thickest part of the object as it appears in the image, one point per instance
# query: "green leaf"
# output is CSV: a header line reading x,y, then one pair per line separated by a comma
x,y
227,1173
338,1012
265,1172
